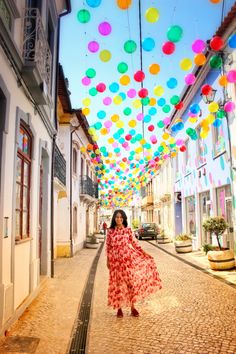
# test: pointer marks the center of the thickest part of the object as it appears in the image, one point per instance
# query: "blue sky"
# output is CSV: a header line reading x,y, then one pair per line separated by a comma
x,y
198,19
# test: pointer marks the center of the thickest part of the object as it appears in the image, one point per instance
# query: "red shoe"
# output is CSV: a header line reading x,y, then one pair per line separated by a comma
x,y
119,313
134,312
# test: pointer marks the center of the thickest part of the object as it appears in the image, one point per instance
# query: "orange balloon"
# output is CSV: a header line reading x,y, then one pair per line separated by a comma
x,y
223,81
125,80
154,69
199,59
215,1
152,101
124,4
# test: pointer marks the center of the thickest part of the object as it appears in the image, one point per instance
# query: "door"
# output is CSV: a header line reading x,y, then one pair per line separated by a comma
x,y
205,209
40,215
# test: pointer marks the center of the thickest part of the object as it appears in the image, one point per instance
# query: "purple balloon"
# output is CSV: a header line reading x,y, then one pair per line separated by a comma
x,y
131,93
140,116
107,101
93,46
86,81
198,46
104,28
189,79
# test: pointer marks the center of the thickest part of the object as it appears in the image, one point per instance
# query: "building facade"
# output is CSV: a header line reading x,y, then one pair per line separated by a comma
x,y
28,58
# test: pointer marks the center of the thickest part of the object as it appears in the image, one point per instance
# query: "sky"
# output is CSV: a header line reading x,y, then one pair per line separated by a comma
x,y
94,43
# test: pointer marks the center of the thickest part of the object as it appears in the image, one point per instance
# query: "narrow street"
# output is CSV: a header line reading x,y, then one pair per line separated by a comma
x,y
193,313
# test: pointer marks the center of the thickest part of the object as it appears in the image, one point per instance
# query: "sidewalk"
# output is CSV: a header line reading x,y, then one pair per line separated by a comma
x,y
198,259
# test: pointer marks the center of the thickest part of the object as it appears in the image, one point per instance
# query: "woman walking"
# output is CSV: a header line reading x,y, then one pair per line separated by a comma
x,y
132,272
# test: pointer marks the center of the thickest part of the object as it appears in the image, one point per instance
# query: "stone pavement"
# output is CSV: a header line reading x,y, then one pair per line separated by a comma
x,y
193,313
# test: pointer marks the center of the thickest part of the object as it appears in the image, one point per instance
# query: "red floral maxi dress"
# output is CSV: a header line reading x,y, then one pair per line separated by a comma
x,y
133,274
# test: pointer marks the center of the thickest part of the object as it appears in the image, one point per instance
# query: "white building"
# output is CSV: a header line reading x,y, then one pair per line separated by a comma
x,y
28,60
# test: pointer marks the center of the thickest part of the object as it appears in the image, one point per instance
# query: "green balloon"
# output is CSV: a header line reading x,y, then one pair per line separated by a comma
x,y
83,16
220,113
130,46
216,62
174,33
145,101
122,67
174,100
98,126
91,73
127,111
160,148
93,91
139,137
166,108
160,124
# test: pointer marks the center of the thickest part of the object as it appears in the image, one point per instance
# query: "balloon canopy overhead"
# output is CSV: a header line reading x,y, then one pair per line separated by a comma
x,y
129,93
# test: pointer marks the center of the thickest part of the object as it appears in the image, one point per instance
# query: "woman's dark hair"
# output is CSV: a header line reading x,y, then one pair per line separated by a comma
x,y
124,217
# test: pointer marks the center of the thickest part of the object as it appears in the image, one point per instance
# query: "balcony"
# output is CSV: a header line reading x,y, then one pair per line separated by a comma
x,y
88,190
37,57
59,166
147,201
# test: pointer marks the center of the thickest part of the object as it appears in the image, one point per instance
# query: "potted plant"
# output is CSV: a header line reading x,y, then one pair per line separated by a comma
x,y
162,237
183,243
220,258
91,241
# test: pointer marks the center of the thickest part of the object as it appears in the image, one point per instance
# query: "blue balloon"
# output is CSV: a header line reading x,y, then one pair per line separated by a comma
x,y
217,123
161,102
93,3
152,111
101,114
122,95
114,87
147,118
232,41
172,83
179,126
121,140
148,44
116,135
194,108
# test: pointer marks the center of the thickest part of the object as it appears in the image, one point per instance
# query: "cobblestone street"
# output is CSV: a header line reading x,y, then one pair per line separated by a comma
x,y
193,313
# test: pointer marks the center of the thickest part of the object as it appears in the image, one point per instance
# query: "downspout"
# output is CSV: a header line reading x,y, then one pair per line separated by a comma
x,y
68,4
71,220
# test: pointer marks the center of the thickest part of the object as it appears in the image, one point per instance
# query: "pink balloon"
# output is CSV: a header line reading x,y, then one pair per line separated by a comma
x,y
115,144
198,46
104,28
131,93
93,46
179,142
189,79
107,101
108,124
101,87
166,120
86,81
140,116
229,106
231,76
168,48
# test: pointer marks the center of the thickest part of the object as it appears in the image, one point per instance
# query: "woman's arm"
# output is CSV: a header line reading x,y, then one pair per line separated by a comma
x,y
108,247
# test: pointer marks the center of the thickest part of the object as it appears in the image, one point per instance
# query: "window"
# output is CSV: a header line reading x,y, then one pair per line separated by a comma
x,y
74,154
218,140
201,148
82,166
225,209
23,170
190,215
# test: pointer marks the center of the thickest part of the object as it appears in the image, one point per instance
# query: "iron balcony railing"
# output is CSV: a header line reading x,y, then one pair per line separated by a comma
x,y
35,45
143,192
59,166
87,186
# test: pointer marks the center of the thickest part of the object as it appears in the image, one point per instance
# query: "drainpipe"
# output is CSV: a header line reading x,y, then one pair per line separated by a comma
x,y
68,4
71,171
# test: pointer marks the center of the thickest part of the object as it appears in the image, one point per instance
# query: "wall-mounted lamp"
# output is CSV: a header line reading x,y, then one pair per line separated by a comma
x,y
209,97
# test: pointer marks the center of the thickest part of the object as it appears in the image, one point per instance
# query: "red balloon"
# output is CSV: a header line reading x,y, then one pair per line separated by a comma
x,y
151,127
206,89
216,43
101,87
139,76
143,93
179,105
183,148
128,137
168,48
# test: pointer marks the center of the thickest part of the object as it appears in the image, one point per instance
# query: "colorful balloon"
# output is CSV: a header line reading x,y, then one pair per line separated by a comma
x,y
199,59
93,3
139,76
90,73
130,46
125,80
105,55
131,93
231,76
213,107
172,83
168,48
122,67
198,46
148,44
206,89
107,101
174,33
216,43
93,46
152,14
143,92
190,79
83,16
158,90
124,4
223,81
232,41
186,64
229,106
114,87
154,69
86,81
216,62
101,87
104,28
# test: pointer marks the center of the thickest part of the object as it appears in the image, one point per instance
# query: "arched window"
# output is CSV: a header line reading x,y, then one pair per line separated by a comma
x,y
23,171
74,160
74,220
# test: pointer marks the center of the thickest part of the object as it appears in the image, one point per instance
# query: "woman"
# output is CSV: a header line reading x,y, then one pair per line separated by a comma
x,y
132,272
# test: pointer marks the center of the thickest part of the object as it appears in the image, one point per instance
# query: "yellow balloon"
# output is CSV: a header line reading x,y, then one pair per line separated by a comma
x,y
97,151
86,101
111,140
125,80
142,141
105,55
165,136
172,140
115,118
91,131
173,154
86,111
132,123
203,134
136,103
158,90
192,119
120,124
104,131
83,149
186,64
117,99
152,15
213,107
210,118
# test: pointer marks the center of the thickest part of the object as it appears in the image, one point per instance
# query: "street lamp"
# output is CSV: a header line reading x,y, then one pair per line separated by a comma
x,y
209,97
